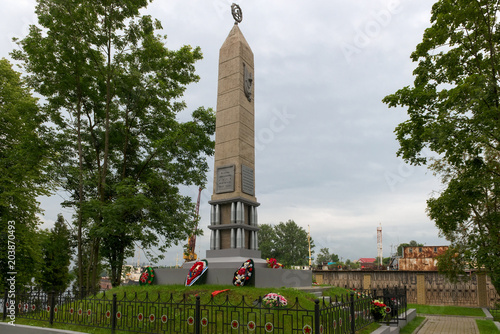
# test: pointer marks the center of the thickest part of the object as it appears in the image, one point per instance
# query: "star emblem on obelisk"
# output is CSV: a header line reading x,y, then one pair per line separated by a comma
x,y
237,14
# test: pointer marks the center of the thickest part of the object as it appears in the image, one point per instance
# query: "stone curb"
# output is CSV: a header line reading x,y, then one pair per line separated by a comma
x,y
420,326
384,329
488,314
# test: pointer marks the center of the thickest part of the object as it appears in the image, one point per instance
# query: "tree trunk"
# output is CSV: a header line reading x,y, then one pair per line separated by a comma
x,y
80,193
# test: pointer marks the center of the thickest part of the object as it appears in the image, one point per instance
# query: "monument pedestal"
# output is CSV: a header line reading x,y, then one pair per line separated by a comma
x,y
264,277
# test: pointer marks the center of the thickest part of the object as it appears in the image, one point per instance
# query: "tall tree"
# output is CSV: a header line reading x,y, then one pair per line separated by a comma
x,y
266,241
113,89
57,249
325,256
453,109
24,153
287,242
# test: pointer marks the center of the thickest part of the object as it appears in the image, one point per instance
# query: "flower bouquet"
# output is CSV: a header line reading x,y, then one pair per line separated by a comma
x,y
147,276
274,300
198,273
273,263
377,309
244,275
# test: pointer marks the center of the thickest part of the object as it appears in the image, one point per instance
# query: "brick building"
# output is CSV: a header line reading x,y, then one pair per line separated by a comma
x,y
421,258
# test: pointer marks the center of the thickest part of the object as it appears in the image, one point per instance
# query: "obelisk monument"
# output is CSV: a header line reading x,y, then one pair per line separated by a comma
x,y
233,218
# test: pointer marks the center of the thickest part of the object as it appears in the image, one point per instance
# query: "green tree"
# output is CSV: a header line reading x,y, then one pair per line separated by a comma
x,y
57,252
24,155
113,90
286,242
412,243
453,109
266,241
325,256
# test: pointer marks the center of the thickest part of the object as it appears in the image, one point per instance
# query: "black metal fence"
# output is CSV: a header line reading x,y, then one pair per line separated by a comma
x,y
160,314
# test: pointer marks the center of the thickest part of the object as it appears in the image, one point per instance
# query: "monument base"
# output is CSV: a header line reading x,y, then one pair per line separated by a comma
x,y
222,264
264,277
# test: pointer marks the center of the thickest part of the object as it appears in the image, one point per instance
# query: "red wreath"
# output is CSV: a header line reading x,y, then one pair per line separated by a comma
x,y
147,276
196,271
273,263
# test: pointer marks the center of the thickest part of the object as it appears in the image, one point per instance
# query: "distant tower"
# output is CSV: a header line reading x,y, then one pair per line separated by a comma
x,y
379,244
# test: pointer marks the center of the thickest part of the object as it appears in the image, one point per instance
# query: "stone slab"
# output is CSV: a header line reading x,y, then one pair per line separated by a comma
x,y
170,276
264,277
235,253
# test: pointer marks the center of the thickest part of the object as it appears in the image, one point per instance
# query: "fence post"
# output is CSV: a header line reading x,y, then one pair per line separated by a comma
x,y
353,320
51,305
316,317
113,314
197,316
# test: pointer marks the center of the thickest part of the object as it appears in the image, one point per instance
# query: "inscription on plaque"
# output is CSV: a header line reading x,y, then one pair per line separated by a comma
x,y
225,179
247,182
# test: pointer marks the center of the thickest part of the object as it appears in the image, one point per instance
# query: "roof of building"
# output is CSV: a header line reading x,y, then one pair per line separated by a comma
x,y
367,260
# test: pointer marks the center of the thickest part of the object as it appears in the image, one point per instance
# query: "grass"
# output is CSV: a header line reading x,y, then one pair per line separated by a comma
x,y
448,310
412,325
487,327
45,324
370,328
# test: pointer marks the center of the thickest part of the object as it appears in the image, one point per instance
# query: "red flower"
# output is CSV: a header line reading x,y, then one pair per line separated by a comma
x,y
195,271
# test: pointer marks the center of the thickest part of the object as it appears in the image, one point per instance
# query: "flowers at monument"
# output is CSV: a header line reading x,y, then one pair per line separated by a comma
x,y
147,276
359,294
273,263
197,271
244,274
378,309
274,300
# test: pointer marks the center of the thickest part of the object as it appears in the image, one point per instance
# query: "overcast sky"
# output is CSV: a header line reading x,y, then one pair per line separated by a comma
x,y
325,143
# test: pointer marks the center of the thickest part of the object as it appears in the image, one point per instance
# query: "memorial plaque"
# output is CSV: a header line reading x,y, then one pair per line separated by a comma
x,y
247,181
225,179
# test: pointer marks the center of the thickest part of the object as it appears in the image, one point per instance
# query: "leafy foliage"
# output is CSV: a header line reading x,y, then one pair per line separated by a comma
x,y
57,251
453,109
113,91
287,242
24,152
325,256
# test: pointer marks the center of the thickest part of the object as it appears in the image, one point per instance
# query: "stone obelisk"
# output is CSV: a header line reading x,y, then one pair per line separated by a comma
x,y
233,218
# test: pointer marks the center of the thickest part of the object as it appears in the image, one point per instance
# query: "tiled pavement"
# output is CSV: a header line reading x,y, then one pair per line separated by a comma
x,y
449,325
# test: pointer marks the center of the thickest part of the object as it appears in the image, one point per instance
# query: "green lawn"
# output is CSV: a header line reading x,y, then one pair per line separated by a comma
x,y
448,310
487,327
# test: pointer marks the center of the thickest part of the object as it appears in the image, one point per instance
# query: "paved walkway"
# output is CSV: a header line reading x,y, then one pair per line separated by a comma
x,y
448,325
5,328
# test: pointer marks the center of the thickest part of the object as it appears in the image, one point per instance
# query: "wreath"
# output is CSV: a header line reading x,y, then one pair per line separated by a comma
x,y
274,300
244,275
147,276
273,263
197,273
